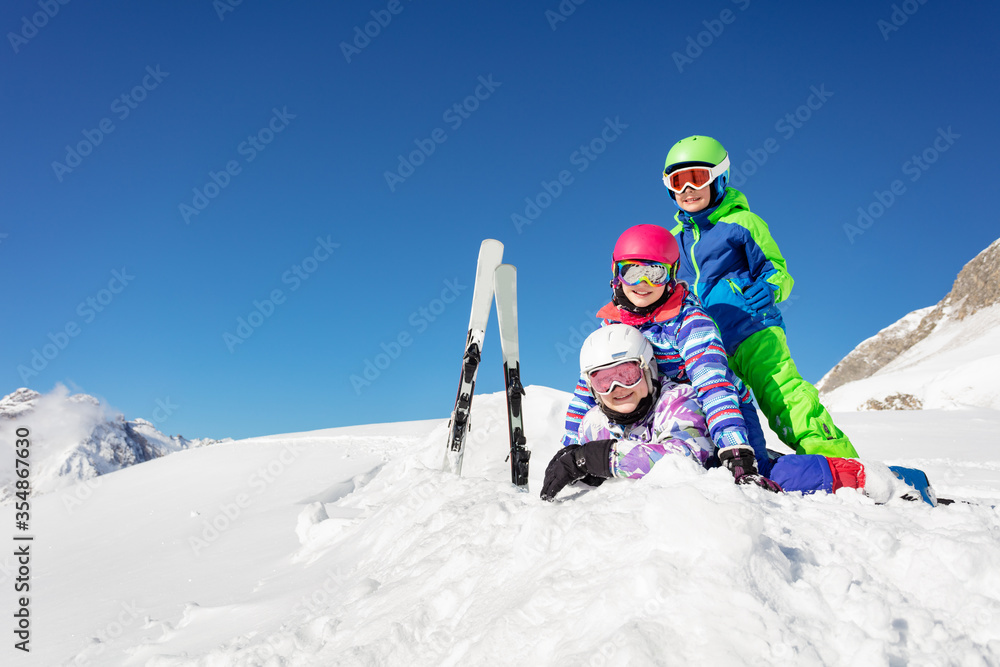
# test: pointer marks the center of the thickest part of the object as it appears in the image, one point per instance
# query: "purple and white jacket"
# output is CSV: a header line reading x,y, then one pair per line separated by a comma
x,y
675,425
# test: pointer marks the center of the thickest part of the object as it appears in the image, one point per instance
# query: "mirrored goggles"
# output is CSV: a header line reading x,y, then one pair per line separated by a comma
x,y
627,374
696,177
632,272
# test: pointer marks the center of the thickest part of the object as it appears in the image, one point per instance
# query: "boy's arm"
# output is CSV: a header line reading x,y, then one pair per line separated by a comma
x,y
707,366
764,256
579,405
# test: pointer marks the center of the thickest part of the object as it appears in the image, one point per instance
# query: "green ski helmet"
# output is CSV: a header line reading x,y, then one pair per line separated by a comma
x,y
699,151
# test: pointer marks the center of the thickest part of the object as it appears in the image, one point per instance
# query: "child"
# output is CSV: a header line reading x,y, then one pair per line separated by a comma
x,y
734,266
637,421
637,418
685,340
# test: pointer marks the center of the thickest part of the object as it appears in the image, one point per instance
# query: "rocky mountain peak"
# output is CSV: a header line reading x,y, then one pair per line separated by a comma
x,y
977,287
77,437
15,404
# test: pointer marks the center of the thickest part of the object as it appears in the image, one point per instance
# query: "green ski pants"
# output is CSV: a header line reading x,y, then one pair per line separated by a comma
x,y
790,404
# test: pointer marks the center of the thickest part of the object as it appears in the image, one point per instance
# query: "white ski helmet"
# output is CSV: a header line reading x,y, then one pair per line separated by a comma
x,y
614,344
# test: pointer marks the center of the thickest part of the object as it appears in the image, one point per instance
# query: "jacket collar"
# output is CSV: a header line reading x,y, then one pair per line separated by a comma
x,y
664,313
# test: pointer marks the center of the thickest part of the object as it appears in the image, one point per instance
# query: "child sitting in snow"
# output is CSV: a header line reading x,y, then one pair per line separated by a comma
x,y
638,419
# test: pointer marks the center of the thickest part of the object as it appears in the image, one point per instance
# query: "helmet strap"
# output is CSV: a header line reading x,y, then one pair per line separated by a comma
x,y
717,194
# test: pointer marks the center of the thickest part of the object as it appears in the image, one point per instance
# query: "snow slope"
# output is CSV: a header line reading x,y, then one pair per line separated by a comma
x,y
349,546
957,365
75,438
940,357
876,351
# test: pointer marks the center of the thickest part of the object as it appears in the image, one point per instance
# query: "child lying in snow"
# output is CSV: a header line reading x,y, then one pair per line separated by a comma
x,y
638,420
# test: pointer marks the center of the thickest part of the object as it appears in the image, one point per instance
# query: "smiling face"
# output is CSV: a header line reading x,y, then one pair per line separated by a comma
x,y
643,294
624,400
692,200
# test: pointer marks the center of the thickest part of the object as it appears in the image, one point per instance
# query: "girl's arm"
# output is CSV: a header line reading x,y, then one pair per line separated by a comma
x,y
707,366
579,405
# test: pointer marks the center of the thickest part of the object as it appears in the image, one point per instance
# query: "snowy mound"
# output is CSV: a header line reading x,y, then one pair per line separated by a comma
x,y
74,438
349,546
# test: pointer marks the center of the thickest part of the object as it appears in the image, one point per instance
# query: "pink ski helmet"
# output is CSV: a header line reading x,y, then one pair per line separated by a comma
x,y
652,243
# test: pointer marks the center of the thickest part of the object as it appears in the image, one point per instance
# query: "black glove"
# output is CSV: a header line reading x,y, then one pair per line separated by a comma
x,y
589,462
740,461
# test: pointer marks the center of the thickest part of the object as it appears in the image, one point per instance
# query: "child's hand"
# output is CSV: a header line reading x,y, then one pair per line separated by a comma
x,y
575,462
739,460
759,295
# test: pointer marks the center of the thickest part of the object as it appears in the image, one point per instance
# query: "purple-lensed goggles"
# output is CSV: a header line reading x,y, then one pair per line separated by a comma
x,y
626,374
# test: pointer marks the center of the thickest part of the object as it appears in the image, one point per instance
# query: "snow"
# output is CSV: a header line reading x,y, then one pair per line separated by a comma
x,y
349,546
67,422
956,366
75,438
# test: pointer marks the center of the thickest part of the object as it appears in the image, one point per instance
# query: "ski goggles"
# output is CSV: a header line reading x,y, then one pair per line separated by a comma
x,y
696,177
632,272
626,374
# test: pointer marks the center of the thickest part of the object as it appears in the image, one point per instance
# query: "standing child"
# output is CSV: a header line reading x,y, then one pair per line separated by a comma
x,y
638,420
734,266
685,340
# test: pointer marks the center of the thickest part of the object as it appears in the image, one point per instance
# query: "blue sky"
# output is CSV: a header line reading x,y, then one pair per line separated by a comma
x,y
172,169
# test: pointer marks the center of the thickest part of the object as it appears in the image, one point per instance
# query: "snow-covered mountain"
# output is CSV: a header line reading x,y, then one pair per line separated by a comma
x,y
76,437
942,356
350,546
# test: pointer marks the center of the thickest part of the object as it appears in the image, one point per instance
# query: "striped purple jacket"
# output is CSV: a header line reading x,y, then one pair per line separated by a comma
x,y
675,425
689,350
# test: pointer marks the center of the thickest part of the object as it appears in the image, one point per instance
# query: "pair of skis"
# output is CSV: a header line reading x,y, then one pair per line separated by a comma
x,y
500,280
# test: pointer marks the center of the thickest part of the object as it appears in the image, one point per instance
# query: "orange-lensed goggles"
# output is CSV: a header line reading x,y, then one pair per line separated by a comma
x,y
696,177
